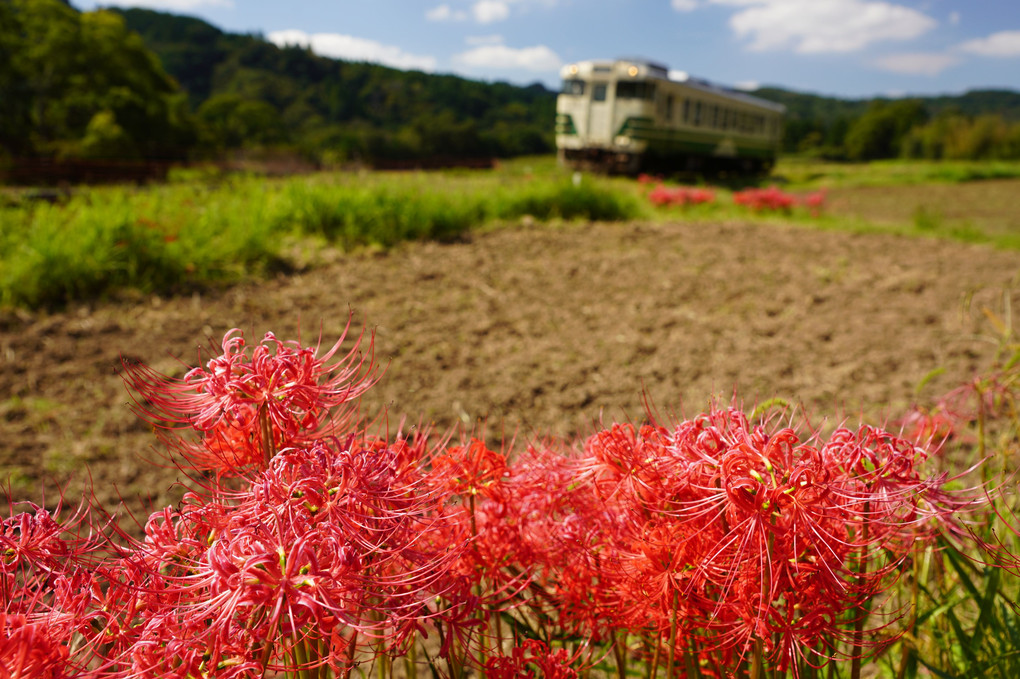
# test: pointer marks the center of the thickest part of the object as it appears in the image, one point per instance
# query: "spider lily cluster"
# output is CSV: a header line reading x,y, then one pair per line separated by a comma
x,y
771,199
306,545
663,196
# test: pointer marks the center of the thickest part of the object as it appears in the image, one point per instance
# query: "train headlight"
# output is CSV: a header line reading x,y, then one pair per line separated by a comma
x,y
573,69
632,71
622,140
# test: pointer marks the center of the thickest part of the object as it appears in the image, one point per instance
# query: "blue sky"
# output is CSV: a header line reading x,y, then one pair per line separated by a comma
x,y
846,48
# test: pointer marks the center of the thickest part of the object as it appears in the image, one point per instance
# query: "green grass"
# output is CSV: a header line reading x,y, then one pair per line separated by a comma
x,y
932,199
166,239
175,237
804,173
908,198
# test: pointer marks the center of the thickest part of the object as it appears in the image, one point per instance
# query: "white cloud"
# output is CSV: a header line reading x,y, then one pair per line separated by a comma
x,y
445,13
173,5
539,58
1002,44
918,63
474,40
815,26
684,5
954,18
490,11
747,85
353,49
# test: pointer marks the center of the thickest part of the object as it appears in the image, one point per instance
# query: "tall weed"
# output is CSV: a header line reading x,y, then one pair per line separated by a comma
x,y
965,594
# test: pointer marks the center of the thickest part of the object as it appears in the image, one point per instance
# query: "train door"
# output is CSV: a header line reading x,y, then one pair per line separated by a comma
x,y
600,113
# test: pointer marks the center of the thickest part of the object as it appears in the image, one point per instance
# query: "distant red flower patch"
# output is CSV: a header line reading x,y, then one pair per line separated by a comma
x,y
664,196
760,200
773,199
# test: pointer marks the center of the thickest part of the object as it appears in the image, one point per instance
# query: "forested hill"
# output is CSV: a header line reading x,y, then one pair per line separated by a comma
x,y
249,91
818,123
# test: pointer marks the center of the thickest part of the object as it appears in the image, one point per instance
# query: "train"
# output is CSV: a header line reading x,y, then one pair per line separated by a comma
x,y
630,115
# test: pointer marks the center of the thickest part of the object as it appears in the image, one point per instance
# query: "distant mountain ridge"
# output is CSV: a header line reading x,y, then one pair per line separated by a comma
x,y
972,103
820,121
352,108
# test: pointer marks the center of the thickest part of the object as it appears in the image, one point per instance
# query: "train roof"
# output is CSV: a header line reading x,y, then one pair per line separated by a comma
x,y
706,86
653,69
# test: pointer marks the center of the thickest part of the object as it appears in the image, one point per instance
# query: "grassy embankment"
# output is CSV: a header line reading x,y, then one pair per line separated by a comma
x,y
168,238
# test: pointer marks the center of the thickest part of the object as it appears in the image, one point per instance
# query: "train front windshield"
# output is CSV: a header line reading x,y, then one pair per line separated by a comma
x,y
629,89
573,87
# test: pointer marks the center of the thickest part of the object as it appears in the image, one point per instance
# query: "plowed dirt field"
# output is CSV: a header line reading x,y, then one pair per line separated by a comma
x,y
532,330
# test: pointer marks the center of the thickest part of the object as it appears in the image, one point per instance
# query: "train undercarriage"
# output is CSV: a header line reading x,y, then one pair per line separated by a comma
x,y
608,161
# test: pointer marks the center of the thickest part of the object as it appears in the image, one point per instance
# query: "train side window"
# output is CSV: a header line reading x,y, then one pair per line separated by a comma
x,y
669,108
687,110
598,92
697,113
715,116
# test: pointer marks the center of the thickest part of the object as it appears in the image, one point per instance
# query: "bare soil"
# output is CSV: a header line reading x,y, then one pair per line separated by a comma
x,y
988,205
530,330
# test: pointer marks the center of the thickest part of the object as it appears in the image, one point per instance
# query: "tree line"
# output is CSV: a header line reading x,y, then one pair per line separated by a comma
x,y
141,85
978,125
76,85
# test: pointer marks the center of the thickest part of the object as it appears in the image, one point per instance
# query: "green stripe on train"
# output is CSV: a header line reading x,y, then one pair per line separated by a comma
x,y
666,140
565,124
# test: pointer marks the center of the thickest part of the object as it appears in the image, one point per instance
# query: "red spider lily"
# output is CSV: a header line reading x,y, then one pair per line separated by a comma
x,y
29,651
31,542
470,469
760,200
531,659
566,538
473,480
983,398
249,404
717,540
814,202
929,428
494,567
680,196
36,547
48,589
326,545
745,537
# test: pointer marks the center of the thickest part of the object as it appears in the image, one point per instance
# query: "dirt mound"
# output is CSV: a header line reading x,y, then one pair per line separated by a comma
x,y
536,330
